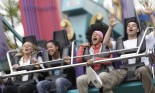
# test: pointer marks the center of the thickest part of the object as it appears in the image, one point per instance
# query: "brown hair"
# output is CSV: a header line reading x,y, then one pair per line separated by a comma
x,y
126,22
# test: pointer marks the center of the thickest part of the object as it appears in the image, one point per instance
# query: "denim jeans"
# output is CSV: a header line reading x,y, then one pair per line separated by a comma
x,y
61,85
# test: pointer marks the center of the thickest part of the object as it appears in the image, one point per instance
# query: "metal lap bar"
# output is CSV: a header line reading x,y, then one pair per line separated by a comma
x,y
9,59
72,52
74,65
140,45
121,50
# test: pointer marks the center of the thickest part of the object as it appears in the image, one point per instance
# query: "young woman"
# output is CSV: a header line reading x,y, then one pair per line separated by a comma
x,y
62,83
27,55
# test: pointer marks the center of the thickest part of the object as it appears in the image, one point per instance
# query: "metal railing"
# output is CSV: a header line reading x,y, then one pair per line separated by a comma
x,y
11,28
147,53
75,65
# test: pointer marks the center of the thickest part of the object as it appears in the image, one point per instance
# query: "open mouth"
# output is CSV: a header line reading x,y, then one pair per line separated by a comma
x,y
51,51
26,49
130,30
94,39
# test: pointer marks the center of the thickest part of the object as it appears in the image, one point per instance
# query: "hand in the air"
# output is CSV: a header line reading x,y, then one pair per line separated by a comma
x,y
147,7
112,20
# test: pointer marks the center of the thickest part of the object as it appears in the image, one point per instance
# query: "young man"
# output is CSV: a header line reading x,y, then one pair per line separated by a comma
x,y
95,36
130,41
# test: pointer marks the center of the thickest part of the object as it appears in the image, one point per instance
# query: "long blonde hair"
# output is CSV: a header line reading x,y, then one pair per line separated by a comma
x,y
20,53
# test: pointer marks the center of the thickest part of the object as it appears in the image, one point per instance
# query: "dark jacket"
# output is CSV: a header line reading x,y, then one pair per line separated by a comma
x,y
70,72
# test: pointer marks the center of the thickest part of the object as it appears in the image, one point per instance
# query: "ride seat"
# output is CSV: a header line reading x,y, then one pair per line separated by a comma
x,y
119,45
61,38
41,43
31,39
65,47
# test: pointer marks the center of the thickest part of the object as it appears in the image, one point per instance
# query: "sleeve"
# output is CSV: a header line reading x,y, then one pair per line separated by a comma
x,y
150,37
40,60
28,68
150,40
80,53
113,45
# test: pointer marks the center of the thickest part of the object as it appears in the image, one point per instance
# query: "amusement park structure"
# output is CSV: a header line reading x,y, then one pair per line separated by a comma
x,y
42,19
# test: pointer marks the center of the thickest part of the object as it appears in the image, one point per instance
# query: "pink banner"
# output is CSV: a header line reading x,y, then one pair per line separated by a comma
x,y
40,18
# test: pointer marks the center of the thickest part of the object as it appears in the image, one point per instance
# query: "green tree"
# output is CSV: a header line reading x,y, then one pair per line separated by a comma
x,y
11,9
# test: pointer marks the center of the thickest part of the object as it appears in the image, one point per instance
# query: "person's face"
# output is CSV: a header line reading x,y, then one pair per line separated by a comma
x,y
51,48
132,28
96,39
27,48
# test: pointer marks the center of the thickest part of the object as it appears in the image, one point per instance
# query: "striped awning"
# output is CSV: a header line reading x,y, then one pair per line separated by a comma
x,y
40,18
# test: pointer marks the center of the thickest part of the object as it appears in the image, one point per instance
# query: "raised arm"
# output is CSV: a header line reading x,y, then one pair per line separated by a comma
x,y
149,11
112,23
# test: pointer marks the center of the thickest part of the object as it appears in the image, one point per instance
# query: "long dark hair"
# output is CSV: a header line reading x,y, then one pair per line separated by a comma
x,y
55,43
97,26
